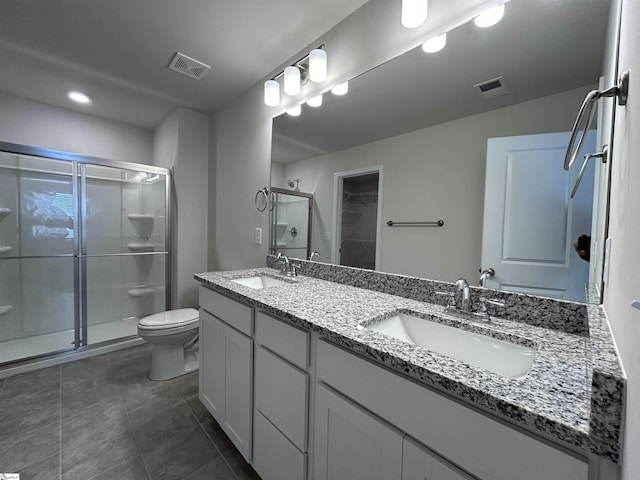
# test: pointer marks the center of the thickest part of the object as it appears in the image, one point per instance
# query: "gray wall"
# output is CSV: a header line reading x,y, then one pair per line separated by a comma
x,y
431,174
182,142
242,136
624,230
40,125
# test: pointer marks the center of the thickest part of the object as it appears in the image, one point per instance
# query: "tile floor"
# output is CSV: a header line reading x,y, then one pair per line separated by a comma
x,y
102,418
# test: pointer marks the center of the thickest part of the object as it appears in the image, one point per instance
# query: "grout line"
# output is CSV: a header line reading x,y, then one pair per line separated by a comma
x,y
60,423
4,381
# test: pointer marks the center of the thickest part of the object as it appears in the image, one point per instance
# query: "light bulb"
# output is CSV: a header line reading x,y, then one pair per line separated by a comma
x,y
490,17
271,93
292,81
414,13
341,89
295,111
317,65
78,97
315,101
435,44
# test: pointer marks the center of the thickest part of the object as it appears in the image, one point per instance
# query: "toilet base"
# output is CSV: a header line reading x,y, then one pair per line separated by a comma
x,y
170,361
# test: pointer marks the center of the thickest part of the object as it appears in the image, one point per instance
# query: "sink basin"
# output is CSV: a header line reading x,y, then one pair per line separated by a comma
x,y
498,356
260,281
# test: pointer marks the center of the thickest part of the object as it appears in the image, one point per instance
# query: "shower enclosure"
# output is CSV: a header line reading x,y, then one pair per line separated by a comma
x,y
290,223
83,250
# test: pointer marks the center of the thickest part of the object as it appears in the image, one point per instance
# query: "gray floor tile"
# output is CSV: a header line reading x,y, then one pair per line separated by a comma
x,y
37,381
103,421
21,450
154,428
142,395
29,410
180,456
86,368
80,393
132,469
98,456
238,464
210,426
216,470
48,468
187,385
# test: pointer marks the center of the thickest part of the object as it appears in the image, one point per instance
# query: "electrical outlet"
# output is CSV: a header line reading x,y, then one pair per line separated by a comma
x,y
258,236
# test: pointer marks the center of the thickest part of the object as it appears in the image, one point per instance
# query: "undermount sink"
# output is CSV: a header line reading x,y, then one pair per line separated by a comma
x,y
498,356
260,281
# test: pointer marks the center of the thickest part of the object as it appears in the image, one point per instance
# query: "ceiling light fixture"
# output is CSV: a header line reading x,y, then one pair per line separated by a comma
x,y
312,66
295,111
341,89
435,44
271,93
315,101
414,13
79,97
489,17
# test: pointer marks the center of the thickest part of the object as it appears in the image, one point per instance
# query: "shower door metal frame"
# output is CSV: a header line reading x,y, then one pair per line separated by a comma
x,y
79,163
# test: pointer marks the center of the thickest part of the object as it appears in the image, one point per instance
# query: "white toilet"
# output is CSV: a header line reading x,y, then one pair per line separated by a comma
x,y
174,336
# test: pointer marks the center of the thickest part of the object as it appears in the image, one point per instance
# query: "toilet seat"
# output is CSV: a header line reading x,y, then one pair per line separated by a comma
x,y
184,317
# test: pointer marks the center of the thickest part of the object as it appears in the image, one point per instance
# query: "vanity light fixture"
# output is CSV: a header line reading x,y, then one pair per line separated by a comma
x,y
315,101
312,66
489,17
295,111
341,89
292,81
435,44
414,13
78,97
271,93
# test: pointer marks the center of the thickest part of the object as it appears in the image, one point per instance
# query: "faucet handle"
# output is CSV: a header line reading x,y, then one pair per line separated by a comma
x,y
492,301
451,295
294,269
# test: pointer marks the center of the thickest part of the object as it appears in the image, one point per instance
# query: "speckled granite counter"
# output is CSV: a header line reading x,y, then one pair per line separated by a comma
x,y
573,392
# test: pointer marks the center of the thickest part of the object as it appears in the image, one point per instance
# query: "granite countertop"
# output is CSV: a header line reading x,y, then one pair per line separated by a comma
x,y
572,392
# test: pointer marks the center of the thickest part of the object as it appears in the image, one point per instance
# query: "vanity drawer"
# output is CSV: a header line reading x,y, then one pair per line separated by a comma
x,y
275,457
236,314
287,341
281,395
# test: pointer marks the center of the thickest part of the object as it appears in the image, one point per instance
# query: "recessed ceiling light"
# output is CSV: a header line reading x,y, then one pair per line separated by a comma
x,y
78,97
490,17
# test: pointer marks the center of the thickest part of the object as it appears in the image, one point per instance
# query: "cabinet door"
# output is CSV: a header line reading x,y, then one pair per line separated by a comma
x,y
352,444
418,463
238,359
212,360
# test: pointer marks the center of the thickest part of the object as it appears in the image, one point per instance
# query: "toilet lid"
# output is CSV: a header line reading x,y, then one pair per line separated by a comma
x,y
170,319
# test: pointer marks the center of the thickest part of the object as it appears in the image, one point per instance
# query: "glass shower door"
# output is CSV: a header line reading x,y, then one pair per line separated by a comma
x,y
290,223
124,249
38,265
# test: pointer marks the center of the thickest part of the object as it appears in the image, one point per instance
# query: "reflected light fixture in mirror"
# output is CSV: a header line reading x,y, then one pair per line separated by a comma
x,y
435,44
292,81
315,101
271,93
295,111
317,65
414,13
341,89
490,17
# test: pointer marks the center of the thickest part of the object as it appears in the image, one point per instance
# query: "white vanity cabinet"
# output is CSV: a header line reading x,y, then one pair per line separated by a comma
x,y
281,400
419,463
226,365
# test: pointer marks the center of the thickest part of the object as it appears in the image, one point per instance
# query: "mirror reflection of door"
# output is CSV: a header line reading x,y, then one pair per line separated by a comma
x,y
290,223
530,220
358,223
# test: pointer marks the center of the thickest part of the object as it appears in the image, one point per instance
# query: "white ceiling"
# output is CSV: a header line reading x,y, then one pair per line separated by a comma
x,y
117,51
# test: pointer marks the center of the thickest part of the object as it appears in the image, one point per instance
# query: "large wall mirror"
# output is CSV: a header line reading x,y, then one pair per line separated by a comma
x,y
413,140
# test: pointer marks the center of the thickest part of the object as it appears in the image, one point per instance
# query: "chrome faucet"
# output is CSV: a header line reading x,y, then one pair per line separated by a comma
x,y
463,286
286,268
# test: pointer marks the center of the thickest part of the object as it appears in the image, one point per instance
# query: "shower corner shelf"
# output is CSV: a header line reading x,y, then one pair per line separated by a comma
x,y
141,291
138,247
140,216
143,223
5,308
5,249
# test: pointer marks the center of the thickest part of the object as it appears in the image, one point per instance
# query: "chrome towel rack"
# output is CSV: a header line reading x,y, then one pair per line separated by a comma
x,y
438,223
586,113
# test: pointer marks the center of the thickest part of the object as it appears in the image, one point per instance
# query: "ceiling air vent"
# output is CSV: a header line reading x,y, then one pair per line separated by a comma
x,y
188,66
493,88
